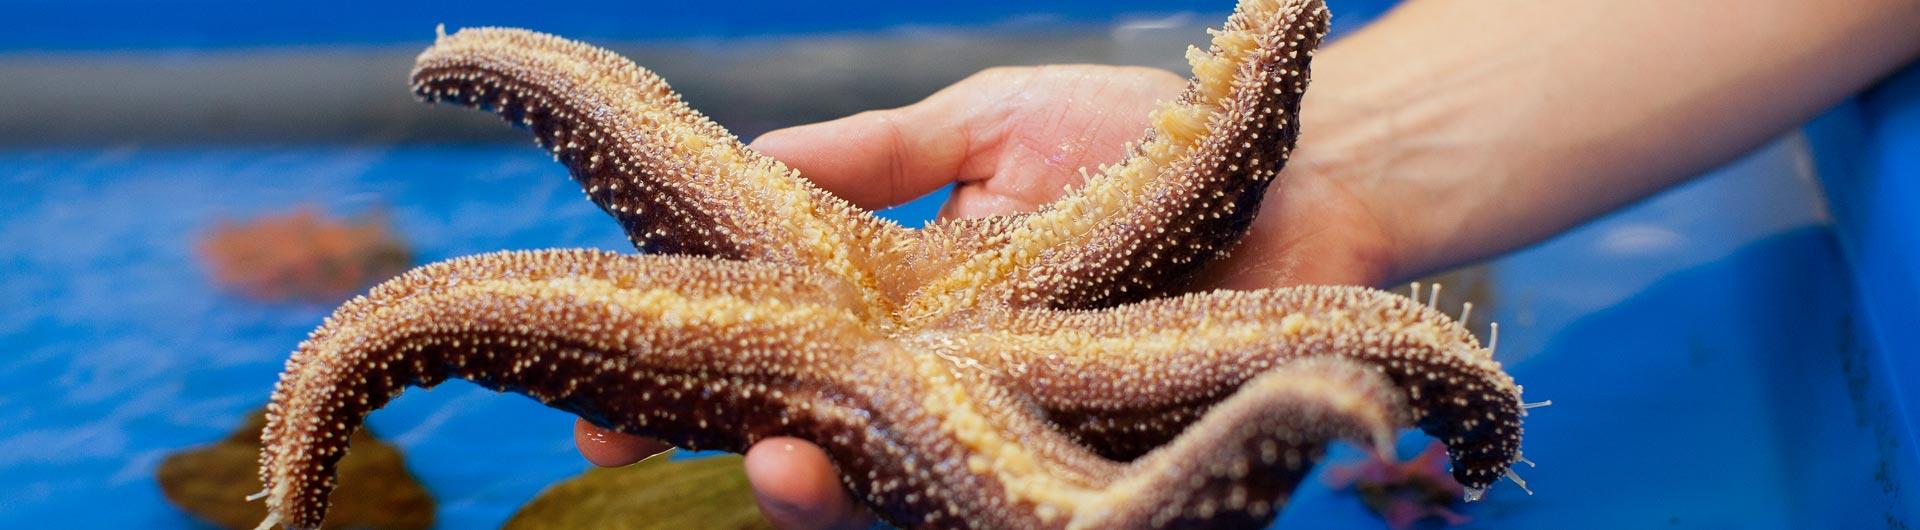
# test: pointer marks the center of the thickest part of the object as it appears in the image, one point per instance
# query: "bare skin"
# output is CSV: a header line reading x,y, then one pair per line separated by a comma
x,y
1447,132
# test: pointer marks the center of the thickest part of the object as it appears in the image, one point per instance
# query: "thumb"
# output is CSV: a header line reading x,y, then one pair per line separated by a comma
x,y
874,159
882,158
798,488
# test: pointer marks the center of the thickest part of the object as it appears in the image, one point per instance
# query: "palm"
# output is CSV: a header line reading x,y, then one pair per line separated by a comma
x,y
1032,129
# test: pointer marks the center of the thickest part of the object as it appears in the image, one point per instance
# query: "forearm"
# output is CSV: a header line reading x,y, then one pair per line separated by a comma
x,y
1473,127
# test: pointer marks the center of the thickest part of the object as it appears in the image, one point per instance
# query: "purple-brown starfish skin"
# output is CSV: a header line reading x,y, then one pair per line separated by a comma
x,y
981,374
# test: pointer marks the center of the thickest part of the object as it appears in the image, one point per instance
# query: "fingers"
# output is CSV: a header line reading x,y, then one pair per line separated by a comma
x,y
878,158
607,448
795,484
1014,137
1053,122
799,489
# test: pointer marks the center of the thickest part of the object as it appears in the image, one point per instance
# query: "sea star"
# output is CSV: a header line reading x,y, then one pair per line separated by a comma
x,y
1019,371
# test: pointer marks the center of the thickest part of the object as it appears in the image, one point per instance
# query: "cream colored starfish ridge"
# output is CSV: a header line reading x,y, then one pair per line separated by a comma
x,y
1014,372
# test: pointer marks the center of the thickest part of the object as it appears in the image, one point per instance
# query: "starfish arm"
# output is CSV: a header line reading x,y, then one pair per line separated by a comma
x,y
920,439
1234,469
677,182
1128,379
1240,463
1188,191
700,352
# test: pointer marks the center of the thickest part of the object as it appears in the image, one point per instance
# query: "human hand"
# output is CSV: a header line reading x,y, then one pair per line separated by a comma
x,y
1013,139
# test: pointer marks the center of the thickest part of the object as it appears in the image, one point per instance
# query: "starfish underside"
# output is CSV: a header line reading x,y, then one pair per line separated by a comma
x,y
1019,371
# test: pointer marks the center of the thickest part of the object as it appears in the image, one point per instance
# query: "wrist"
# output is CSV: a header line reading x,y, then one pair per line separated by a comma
x,y
1347,160
1413,156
